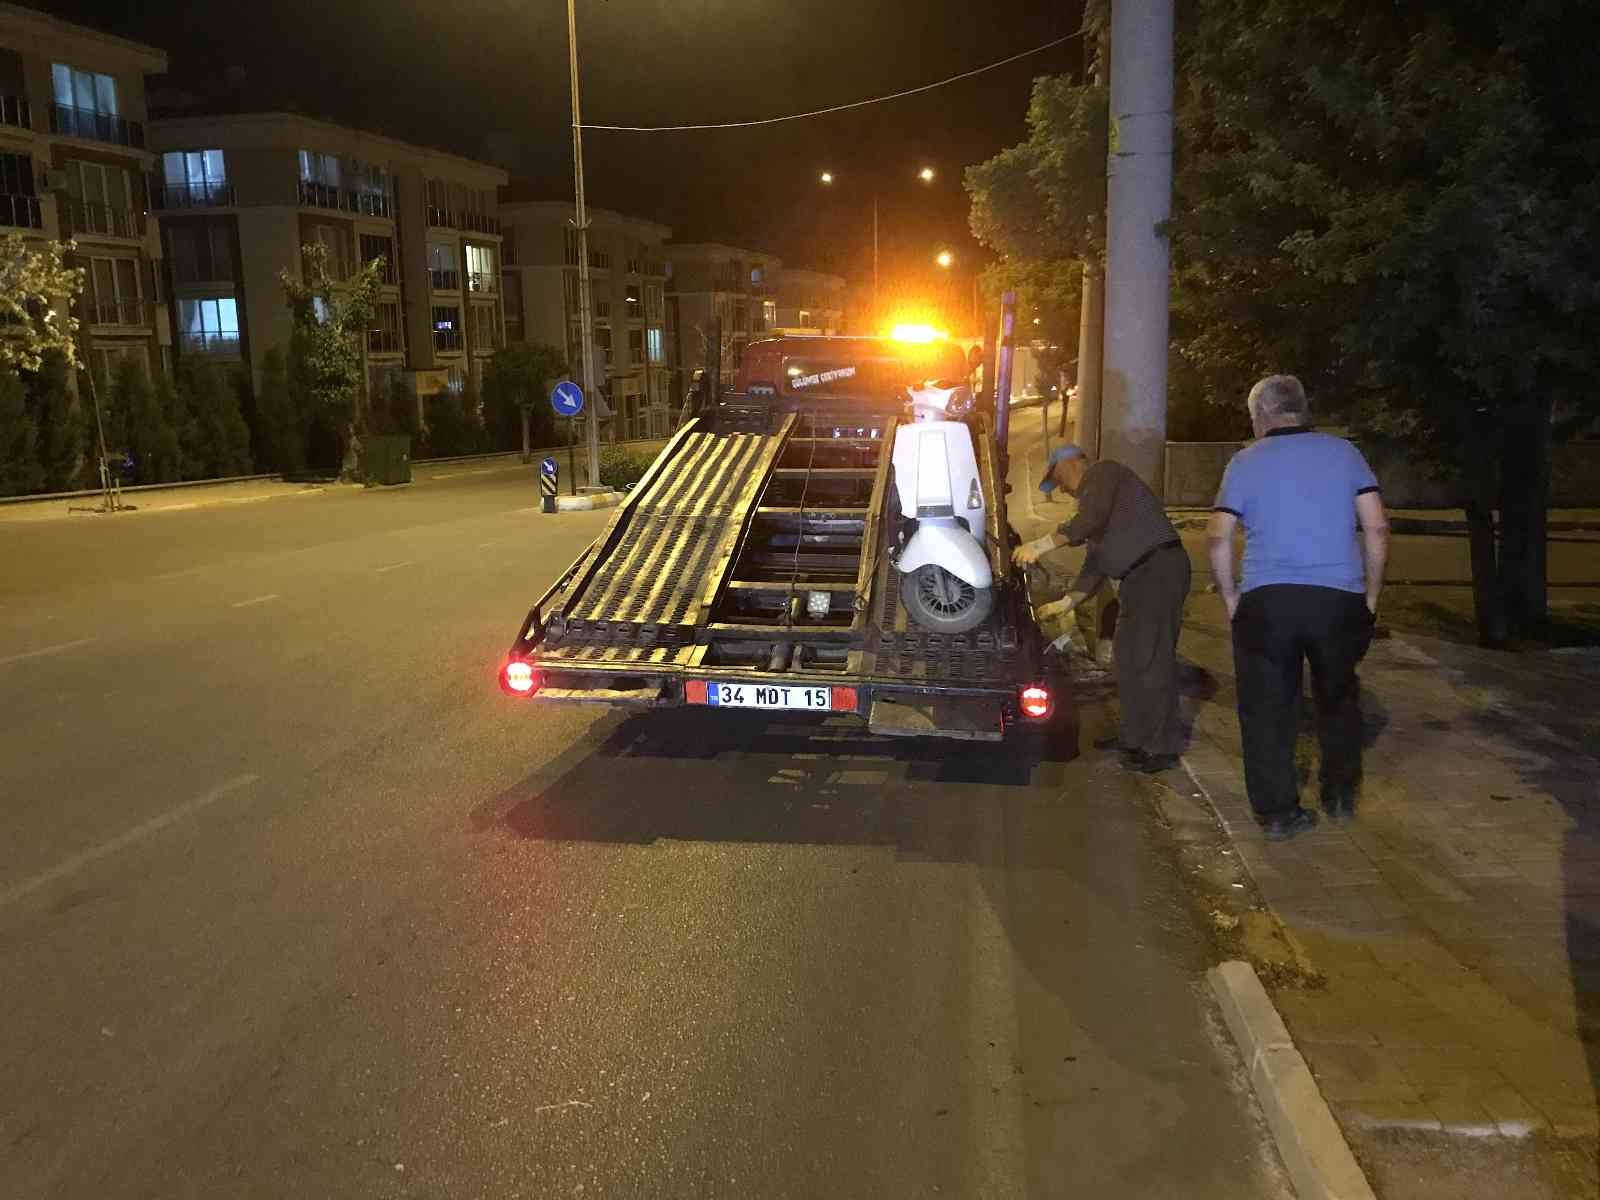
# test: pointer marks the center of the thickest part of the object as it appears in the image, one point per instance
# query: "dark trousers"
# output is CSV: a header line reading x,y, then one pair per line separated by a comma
x,y
1145,651
1274,630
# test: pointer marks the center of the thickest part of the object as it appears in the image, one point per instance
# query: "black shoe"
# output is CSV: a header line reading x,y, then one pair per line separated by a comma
x,y
1281,829
1110,743
1154,764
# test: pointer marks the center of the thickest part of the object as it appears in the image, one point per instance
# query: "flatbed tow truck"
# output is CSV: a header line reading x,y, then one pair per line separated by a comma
x,y
752,566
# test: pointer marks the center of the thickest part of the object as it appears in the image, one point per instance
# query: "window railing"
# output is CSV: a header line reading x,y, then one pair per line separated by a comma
x,y
445,280
192,195
85,123
370,204
119,312
16,111
83,217
340,270
440,218
20,212
482,281
447,339
651,267
208,343
383,341
477,222
319,195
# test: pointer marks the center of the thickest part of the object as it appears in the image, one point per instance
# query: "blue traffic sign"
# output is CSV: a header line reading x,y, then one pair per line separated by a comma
x,y
567,399
547,466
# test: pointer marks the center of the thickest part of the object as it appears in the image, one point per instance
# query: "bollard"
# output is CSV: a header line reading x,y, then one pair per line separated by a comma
x,y
548,483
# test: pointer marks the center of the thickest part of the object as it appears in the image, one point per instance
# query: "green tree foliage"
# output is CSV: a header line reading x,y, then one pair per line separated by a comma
x,y
59,421
212,435
142,413
1400,204
517,381
330,326
453,426
37,289
282,435
20,471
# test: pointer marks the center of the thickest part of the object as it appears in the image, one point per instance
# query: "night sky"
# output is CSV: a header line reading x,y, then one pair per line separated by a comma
x,y
488,79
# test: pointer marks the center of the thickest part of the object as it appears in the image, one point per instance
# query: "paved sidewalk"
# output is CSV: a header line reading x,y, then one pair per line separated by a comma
x,y
1457,922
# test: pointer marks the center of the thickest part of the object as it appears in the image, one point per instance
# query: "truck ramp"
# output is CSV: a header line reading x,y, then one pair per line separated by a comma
x,y
651,577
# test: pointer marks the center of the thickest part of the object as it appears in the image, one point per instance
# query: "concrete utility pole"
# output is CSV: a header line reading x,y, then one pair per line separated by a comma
x,y
1138,202
1092,311
591,398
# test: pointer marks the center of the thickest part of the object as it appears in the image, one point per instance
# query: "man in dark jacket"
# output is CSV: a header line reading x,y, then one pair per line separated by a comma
x,y
1129,539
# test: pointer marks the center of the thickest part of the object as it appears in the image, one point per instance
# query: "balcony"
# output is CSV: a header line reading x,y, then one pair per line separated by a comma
x,y
80,218
477,222
441,218
319,195
447,339
340,270
370,204
222,344
20,212
386,341
133,312
16,112
445,280
67,121
482,281
656,269
192,195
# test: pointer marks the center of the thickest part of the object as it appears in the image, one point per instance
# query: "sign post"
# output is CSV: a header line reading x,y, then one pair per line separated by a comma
x,y
548,483
566,398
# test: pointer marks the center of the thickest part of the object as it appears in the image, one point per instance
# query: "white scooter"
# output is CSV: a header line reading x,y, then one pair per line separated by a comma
x,y
946,581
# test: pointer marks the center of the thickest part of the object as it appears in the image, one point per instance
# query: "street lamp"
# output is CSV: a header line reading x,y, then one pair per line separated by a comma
x,y
945,259
826,179
585,303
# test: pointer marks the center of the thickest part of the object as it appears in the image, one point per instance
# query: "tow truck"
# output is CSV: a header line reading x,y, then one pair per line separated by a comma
x,y
752,567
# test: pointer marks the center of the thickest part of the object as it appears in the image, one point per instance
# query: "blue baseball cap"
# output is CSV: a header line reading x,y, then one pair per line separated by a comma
x,y
1058,455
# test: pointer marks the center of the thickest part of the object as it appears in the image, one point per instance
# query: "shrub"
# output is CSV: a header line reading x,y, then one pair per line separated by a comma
x,y
620,467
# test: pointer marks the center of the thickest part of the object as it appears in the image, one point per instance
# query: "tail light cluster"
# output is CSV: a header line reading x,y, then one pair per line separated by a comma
x,y
1036,702
518,678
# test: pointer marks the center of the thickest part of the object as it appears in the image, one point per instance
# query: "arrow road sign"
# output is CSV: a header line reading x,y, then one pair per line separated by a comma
x,y
567,399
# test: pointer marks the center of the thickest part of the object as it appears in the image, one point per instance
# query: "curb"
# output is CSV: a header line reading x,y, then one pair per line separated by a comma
x,y
1309,1140
585,503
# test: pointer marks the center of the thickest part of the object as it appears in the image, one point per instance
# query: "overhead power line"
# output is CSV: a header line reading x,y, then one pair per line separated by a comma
x,y
822,112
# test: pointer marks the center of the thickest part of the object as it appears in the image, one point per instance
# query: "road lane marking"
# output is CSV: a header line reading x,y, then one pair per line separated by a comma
x,y
44,650
258,600
396,566
123,840
446,475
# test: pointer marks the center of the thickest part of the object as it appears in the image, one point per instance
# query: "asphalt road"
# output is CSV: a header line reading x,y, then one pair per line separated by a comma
x,y
293,902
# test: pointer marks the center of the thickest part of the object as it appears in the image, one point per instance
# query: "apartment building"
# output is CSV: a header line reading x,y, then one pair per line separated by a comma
x,y
238,198
808,302
707,281
627,275
74,165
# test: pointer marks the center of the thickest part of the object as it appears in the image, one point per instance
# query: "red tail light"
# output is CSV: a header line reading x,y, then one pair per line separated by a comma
x,y
518,678
1037,702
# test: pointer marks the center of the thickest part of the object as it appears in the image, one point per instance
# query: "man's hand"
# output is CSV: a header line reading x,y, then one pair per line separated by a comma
x,y
1372,605
1029,553
1231,601
1059,608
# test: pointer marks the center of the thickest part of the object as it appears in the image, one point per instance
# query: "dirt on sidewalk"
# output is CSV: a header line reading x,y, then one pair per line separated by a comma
x,y
1454,929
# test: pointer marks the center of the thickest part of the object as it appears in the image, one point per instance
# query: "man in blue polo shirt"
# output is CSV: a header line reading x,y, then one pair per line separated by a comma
x,y
1316,542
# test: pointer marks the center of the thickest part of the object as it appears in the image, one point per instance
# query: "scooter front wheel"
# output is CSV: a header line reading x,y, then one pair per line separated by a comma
x,y
943,602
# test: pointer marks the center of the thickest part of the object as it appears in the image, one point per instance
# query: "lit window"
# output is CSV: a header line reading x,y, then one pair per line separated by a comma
x,y
84,90
319,168
653,343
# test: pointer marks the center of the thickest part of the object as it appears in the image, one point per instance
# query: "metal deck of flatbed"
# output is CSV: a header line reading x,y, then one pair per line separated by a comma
x,y
637,614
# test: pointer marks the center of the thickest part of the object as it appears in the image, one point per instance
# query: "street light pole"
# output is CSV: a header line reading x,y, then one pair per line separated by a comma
x,y
585,304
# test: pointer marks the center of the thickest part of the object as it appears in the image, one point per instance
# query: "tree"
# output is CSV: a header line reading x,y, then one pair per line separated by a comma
x,y
1400,204
61,427
143,423
36,292
214,440
20,472
330,321
516,390
282,435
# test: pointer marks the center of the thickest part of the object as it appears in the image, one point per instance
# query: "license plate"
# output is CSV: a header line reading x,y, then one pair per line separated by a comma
x,y
763,695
